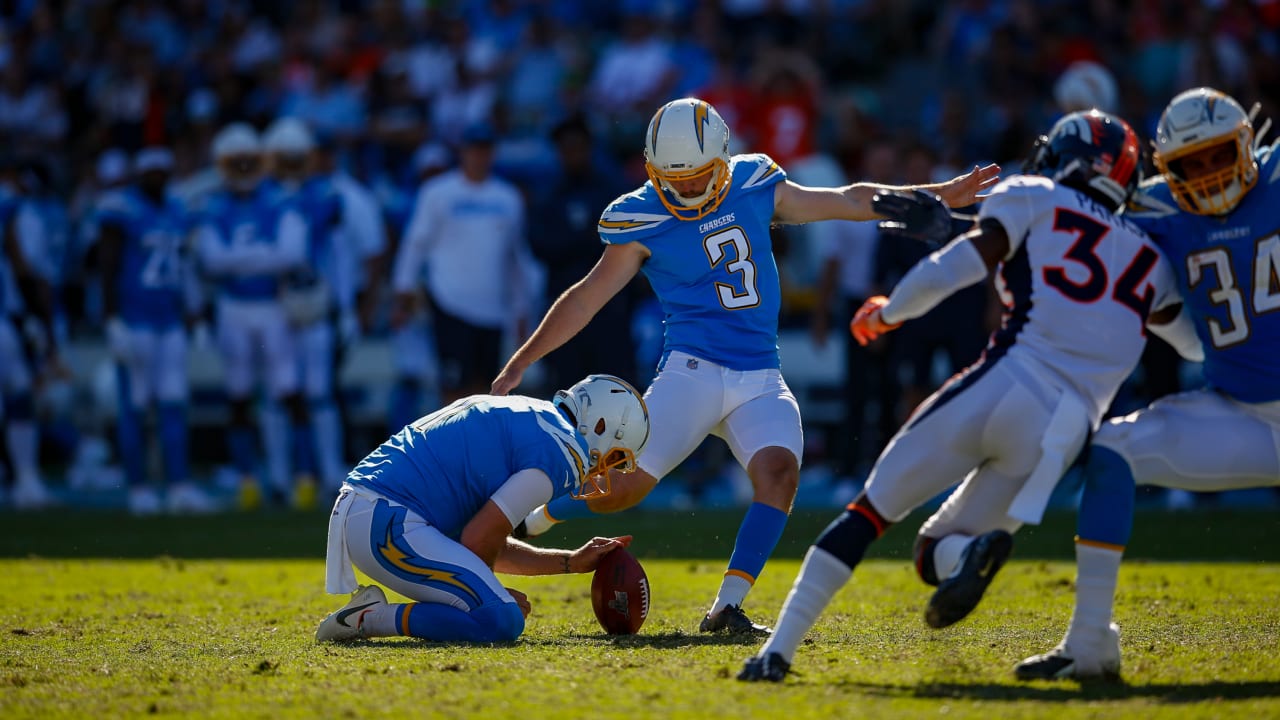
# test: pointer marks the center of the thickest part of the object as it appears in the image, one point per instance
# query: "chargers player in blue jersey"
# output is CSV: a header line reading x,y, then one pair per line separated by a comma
x,y
22,290
316,296
248,241
429,513
1212,211
148,290
699,230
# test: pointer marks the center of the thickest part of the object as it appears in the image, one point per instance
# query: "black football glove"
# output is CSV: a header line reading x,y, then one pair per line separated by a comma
x,y
915,214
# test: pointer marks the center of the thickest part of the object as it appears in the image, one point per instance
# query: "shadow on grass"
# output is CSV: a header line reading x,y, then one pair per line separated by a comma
x,y
674,640
1075,691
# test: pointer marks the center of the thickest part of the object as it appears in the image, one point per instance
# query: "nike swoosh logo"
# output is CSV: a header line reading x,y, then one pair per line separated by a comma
x,y
343,615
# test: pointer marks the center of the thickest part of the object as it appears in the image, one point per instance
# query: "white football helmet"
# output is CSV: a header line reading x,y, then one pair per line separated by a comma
x,y
237,153
613,418
1197,120
288,144
1086,85
687,139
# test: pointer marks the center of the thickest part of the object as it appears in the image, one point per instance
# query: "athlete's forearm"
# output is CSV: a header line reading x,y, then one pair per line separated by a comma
x,y
518,558
568,315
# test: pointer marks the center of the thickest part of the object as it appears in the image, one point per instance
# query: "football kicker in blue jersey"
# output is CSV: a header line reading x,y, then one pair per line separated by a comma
x,y
429,512
716,278
700,231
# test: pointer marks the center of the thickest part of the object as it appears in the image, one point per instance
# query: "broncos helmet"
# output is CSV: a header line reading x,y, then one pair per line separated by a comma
x,y
687,140
1093,152
1195,121
613,418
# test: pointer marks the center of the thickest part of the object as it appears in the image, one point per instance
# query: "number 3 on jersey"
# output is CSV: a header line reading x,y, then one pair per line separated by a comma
x,y
1266,288
1131,289
743,294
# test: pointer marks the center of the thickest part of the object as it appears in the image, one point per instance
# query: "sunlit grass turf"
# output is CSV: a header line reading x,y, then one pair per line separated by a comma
x,y
233,638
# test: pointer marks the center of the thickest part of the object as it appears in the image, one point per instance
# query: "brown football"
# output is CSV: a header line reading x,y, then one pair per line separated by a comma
x,y
620,593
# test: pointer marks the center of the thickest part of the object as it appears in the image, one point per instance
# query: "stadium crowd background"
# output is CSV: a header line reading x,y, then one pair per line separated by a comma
x,y
835,91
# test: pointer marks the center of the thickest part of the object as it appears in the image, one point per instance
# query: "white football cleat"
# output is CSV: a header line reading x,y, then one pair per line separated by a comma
x,y
1076,660
31,494
144,501
187,499
346,624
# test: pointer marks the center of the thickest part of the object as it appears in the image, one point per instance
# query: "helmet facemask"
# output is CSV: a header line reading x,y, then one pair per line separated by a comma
x,y
1216,192
688,142
612,417
1213,127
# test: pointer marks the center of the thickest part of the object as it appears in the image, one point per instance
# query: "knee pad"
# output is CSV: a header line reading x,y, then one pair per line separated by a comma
x,y
923,552
502,621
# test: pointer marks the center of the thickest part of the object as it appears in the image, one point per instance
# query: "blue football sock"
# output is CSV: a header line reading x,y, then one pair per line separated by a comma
x,y
758,534
304,451
492,622
848,536
240,443
566,508
129,432
1106,505
173,441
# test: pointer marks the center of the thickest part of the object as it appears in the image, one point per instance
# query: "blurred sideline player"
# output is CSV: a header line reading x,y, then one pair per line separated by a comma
x,y
316,296
1080,284
699,229
430,511
467,229
412,339
148,290
248,242
26,314
1212,211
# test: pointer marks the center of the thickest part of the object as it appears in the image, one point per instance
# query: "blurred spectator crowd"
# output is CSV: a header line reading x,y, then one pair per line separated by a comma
x,y
548,99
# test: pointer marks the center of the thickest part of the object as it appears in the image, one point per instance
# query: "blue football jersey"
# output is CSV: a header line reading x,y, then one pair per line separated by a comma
x,y
715,277
445,466
153,258
242,220
1229,275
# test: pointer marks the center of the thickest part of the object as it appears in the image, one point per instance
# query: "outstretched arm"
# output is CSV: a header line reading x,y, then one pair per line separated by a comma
x,y
800,204
573,310
965,261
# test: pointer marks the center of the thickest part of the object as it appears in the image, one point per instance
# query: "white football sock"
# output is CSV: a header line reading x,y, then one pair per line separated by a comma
x,y
380,621
733,590
821,576
1097,573
947,553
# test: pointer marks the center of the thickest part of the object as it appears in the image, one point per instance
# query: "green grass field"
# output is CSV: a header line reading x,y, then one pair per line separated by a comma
x,y
105,616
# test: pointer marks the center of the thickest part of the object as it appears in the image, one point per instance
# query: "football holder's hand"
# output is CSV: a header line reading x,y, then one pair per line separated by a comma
x,y
867,325
915,214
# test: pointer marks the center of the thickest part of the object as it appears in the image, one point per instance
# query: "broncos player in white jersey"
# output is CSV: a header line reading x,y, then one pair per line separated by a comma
x,y
699,230
248,241
1080,286
1212,210
429,512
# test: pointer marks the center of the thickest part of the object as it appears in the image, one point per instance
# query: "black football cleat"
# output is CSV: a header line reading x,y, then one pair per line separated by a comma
x,y
768,667
959,594
1098,658
731,620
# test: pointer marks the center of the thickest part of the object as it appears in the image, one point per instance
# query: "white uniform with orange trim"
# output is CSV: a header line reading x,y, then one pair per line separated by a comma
x,y
1078,284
